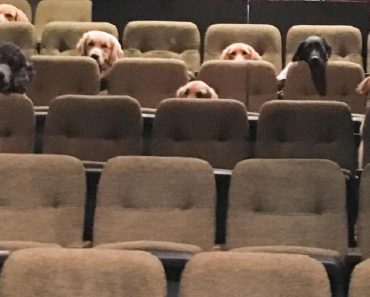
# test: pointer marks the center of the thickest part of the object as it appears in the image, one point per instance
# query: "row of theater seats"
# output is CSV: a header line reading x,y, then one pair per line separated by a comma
x,y
151,80
168,206
181,40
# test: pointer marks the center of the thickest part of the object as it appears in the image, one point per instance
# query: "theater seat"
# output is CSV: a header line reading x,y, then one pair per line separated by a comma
x,y
21,34
359,282
364,214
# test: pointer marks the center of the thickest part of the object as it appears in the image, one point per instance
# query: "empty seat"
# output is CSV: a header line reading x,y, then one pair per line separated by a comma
x,y
42,200
265,39
364,214
307,129
342,79
148,80
155,203
93,128
62,37
252,83
23,5
83,273
17,124
215,130
21,34
55,10
365,143
163,39
345,41
59,75
295,206
368,54
359,285
220,274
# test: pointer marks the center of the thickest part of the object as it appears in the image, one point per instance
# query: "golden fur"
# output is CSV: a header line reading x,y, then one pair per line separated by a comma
x,y
196,89
239,52
10,13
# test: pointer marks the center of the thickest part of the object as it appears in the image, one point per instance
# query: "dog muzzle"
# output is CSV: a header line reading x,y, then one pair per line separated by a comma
x,y
5,77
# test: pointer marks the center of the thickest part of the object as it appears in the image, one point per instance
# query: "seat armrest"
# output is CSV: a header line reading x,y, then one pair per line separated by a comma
x,y
81,245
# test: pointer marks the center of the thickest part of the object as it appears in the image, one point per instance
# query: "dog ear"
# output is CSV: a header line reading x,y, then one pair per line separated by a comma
x,y
213,94
225,53
298,54
180,93
116,53
254,54
81,44
327,47
21,16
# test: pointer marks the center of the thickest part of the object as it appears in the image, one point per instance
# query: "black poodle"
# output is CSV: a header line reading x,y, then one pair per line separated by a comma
x,y
16,70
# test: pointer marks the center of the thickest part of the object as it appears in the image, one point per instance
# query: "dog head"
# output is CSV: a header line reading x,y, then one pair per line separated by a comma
x,y
16,70
364,87
10,13
196,89
101,46
240,52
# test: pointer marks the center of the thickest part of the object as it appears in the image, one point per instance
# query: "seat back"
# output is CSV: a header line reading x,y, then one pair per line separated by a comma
x,y
368,54
82,272
265,39
21,34
149,80
219,274
17,124
62,37
345,41
163,39
365,149
364,214
70,75
307,129
215,130
303,205
42,198
342,79
252,83
93,128
359,285
154,198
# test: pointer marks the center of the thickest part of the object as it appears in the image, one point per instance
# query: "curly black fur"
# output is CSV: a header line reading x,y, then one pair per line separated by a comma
x,y
21,69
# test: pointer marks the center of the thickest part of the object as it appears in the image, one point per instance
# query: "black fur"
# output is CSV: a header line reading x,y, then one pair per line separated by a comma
x,y
316,52
22,70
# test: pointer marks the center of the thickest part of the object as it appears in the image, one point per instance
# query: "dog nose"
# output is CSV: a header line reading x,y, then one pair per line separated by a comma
x,y
315,60
94,56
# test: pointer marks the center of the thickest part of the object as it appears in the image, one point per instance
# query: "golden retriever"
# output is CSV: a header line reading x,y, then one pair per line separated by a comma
x,y
364,87
102,47
10,13
196,89
240,52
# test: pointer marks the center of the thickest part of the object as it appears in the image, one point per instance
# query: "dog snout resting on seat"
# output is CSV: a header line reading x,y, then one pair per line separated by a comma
x,y
240,52
16,70
10,13
196,89
103,47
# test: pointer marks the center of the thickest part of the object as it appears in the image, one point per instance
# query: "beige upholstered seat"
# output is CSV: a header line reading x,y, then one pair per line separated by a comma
x,y
42,200
293,206
93,128
342,79
368,54
265,39
215,130
345,41
252,83
365,145
220,274
21,34
149,80
55,10
307,129
17,124
359,282
23,5
163,39
155,203
81,272
59,75
62,37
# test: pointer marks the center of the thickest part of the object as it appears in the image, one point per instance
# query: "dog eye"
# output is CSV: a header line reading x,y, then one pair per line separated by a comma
x,y
244,53
233,53
91,43
187,92
8,16
104,45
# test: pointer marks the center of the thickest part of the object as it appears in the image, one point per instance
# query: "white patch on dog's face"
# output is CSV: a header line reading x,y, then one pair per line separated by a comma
x,y
5,74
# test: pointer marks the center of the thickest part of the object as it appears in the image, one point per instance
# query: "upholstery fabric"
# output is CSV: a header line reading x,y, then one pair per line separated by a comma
x,y
156,199
215,130
303,205
252,82
363,222
345,41
265,39
93,128
368,54
163,39
17,124
82,272
220,274
42,199
365,144
307,129
15,245
342,79
21,34
149,80
62,37
359,284
70,75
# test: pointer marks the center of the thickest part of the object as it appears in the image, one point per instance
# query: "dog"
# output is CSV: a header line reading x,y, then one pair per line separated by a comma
x,y
364,87
196,89
103,47
10,13
315,51
240,52
16,70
